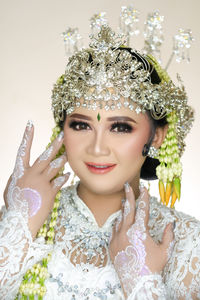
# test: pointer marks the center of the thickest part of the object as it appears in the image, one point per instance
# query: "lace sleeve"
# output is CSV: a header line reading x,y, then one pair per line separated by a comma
x,y
150,287
17,252
182,273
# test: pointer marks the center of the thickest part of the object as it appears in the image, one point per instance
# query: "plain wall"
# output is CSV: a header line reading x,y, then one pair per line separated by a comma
x,y
32,58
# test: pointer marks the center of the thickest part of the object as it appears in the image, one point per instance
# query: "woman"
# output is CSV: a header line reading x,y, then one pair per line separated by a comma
x,y
114,111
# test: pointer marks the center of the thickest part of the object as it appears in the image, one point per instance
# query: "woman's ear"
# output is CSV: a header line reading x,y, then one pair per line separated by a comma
x,y
159,136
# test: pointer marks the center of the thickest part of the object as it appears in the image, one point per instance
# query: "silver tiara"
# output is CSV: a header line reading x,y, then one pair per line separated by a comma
x,y
110,75
129,28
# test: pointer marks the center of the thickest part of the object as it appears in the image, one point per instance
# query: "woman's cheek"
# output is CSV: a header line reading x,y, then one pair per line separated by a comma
x,y
69,142
74,149
69,137
133,147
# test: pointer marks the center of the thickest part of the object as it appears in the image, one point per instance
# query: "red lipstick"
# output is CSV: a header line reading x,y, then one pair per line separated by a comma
x,y
99,168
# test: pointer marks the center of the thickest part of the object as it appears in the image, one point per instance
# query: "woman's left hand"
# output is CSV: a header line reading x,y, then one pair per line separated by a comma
x,y
132,250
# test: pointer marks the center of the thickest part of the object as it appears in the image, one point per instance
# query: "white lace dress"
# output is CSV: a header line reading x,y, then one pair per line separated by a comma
x,y
80,267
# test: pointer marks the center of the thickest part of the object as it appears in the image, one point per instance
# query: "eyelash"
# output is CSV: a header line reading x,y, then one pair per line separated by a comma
x,y
125,128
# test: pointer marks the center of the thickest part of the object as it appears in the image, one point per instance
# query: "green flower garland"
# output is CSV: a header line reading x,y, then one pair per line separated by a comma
x,y
170,169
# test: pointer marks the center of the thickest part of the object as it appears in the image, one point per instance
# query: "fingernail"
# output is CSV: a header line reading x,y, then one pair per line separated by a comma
x,y
127,208
118,221
127,187
46,154
141,186
59,181
29,125
65,155
174,225
56,163
60,136
123,201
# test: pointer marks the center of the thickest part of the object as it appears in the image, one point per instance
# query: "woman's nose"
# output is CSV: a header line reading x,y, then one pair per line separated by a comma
x,y
98,145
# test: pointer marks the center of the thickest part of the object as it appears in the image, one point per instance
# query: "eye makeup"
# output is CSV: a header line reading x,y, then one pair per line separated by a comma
x,y
78,125
118,127
122,127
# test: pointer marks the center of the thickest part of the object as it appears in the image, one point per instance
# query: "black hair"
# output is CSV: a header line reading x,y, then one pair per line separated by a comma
x,y
148,170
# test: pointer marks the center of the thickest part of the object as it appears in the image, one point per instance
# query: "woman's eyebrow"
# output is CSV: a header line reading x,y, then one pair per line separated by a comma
x,y
116,118
121,118
79,116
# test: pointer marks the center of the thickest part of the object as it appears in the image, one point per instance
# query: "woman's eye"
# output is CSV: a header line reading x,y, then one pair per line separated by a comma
x,y
75,125
121,127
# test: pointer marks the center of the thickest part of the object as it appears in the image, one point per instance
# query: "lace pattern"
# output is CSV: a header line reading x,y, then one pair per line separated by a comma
x,y
82,241
15,201
149,287
26,200
65,288
17,252
81,255
130,264
182,272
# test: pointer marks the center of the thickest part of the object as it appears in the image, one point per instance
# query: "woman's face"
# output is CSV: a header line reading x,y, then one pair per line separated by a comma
x,y
117,139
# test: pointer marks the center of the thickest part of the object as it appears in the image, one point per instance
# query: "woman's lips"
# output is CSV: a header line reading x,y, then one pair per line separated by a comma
x,y
103,168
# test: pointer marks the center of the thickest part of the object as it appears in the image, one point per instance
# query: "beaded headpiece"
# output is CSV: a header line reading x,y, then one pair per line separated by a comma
x,y
110,75
106,76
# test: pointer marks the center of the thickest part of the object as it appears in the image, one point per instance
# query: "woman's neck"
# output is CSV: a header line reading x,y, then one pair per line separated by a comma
x,y
101,205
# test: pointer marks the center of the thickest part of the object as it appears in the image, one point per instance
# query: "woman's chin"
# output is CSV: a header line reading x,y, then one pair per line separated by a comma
x,y
102,187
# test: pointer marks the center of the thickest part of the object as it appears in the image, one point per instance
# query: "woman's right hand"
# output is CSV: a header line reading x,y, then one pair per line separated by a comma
x,y
32,189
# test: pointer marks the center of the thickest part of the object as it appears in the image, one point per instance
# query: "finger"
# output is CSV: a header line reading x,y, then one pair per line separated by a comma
x,y
118,223
48,155
143,206
129,207
111,237
168,240
54,166
58,182
114,231
23,154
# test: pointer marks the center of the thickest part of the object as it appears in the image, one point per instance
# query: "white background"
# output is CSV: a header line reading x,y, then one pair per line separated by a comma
x,y
32,58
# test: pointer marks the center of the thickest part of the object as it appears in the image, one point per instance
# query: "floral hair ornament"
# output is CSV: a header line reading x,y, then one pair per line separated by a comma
x,y
169,170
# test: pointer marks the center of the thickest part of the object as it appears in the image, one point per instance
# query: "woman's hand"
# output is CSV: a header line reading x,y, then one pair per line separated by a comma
x,y
32,189
132,250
